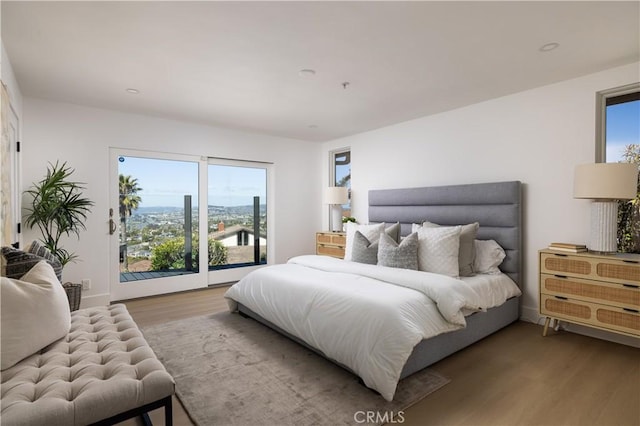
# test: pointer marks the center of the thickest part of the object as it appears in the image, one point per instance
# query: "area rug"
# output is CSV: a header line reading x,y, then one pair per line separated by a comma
x,y
231,370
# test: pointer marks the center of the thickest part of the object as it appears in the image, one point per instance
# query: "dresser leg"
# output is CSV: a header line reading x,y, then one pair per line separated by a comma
x,y
546,327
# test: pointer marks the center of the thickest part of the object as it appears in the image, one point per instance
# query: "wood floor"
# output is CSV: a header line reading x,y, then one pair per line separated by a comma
x,y
514,377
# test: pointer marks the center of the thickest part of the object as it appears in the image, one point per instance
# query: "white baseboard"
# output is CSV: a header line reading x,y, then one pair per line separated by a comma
x,y
95,300
532,315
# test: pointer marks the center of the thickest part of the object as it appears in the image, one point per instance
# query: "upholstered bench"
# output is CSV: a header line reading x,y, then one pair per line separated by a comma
x,y
102,372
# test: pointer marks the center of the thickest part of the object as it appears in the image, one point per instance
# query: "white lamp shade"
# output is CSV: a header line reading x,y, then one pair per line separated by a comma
x,y
336,195
606,181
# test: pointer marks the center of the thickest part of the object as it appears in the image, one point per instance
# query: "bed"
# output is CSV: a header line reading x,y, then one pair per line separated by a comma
x,y
461,317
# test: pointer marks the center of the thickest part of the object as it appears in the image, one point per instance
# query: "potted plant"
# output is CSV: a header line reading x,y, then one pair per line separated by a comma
x,y
57,208
345,220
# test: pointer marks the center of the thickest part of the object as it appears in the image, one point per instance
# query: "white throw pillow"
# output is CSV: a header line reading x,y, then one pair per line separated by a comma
x,y
438,250
489,255
371,232
35,313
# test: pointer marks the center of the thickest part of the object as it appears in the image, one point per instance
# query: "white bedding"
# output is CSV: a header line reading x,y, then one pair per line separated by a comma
x,y
365,317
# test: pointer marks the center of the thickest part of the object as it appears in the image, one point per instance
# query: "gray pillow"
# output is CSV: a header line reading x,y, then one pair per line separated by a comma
x,y
20,262
394,255
394,231
467,251
40,250
364,251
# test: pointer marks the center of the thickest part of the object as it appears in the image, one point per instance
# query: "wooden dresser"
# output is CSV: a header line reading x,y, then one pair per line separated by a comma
x,y
331,243
601,291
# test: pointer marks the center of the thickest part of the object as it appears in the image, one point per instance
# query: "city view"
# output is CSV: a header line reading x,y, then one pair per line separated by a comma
x,y
157,236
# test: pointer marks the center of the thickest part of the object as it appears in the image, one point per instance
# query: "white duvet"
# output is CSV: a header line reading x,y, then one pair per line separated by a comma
x,y
365,317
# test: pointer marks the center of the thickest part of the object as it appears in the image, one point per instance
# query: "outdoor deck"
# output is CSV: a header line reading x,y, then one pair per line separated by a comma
x,y
137,276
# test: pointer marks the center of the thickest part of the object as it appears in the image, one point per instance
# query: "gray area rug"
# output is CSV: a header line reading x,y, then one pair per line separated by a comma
x,y
231,370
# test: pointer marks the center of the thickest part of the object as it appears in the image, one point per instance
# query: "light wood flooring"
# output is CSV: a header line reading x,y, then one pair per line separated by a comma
x,y
514,377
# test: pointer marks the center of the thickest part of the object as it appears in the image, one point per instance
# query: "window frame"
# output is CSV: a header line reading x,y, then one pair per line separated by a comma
x,y
601,116
332,175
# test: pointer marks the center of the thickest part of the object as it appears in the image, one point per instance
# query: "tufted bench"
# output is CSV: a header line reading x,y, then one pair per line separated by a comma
x,y
102,372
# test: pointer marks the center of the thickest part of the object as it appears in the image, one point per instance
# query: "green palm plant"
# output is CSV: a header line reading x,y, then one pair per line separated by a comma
x,y
129,201
57,208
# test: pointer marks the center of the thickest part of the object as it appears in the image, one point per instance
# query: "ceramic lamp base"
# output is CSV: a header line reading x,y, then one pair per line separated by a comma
x,y
336,218
604,227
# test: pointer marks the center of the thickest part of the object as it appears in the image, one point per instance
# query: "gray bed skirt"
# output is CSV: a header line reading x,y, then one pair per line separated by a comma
x,y
429,351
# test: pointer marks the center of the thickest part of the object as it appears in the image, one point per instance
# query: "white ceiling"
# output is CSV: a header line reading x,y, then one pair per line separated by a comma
x,y
236,64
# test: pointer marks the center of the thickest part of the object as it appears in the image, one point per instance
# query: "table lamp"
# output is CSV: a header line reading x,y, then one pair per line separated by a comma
x,y
605,183
336,196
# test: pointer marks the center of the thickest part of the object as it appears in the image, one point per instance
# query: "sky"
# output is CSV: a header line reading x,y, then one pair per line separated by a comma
x,y
165,182
623,128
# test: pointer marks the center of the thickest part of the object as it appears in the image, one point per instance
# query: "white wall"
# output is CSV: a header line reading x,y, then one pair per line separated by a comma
x,y
82,136
536,136
9,79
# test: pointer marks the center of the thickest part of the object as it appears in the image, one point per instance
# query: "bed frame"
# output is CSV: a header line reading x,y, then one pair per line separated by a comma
x,y
496,206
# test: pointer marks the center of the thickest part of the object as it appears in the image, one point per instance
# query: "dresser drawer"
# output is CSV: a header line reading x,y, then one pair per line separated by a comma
x,y
595,268
334,251
337,239
605,317
620,295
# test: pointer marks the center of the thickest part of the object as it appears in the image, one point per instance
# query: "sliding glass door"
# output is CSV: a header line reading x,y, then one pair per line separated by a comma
x,y
181,222
237,218
156,225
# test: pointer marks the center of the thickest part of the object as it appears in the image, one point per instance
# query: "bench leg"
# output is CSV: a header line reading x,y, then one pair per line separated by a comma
x,y
168,412
146,421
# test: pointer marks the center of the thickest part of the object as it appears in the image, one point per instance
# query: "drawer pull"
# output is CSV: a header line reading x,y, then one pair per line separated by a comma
x,y
560,255
561,276
561,297
631,261
635,311
631,285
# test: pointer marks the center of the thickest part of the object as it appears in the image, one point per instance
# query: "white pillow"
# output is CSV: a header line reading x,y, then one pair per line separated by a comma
x,y
467,252
438,250
35,313
489,255
371,232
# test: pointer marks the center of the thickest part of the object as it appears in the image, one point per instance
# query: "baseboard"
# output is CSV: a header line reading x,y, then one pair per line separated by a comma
x,y
532,315
95,300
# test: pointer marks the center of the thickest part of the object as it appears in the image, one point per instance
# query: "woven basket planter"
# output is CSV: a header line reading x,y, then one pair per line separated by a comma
x,y
74,294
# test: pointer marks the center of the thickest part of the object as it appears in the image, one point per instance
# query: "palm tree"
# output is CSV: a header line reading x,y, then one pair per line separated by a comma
x,y
129,201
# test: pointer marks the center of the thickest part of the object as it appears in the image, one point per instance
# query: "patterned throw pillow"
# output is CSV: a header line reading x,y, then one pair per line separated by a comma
x,y
394,255
467,252
438,250
364,251
19,262
39,250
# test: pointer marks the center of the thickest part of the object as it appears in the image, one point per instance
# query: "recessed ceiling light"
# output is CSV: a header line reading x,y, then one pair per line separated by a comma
x,y
549,47
307,73
133,91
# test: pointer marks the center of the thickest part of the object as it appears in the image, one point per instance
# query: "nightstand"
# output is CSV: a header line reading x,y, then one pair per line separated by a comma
x,y
331,243
590,289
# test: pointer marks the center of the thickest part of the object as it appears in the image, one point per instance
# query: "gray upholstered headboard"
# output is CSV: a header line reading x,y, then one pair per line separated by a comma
x,y
496,206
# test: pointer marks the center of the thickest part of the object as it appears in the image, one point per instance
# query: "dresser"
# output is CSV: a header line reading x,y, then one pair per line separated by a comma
x,y
595,290
331,243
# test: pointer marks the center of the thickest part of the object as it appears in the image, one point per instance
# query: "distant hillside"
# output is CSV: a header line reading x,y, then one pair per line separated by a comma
x,y
212,210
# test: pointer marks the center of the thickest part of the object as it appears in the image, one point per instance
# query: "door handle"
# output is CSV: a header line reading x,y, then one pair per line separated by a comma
x,y
112,224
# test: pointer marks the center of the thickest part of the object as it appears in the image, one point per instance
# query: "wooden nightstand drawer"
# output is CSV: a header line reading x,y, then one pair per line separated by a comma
x,y
601,316
336,239
330,251
593,267
331,244
596,290
621,295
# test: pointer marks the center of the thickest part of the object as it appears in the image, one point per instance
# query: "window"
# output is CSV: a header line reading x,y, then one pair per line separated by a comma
x,y
618,140
341,174
237,213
